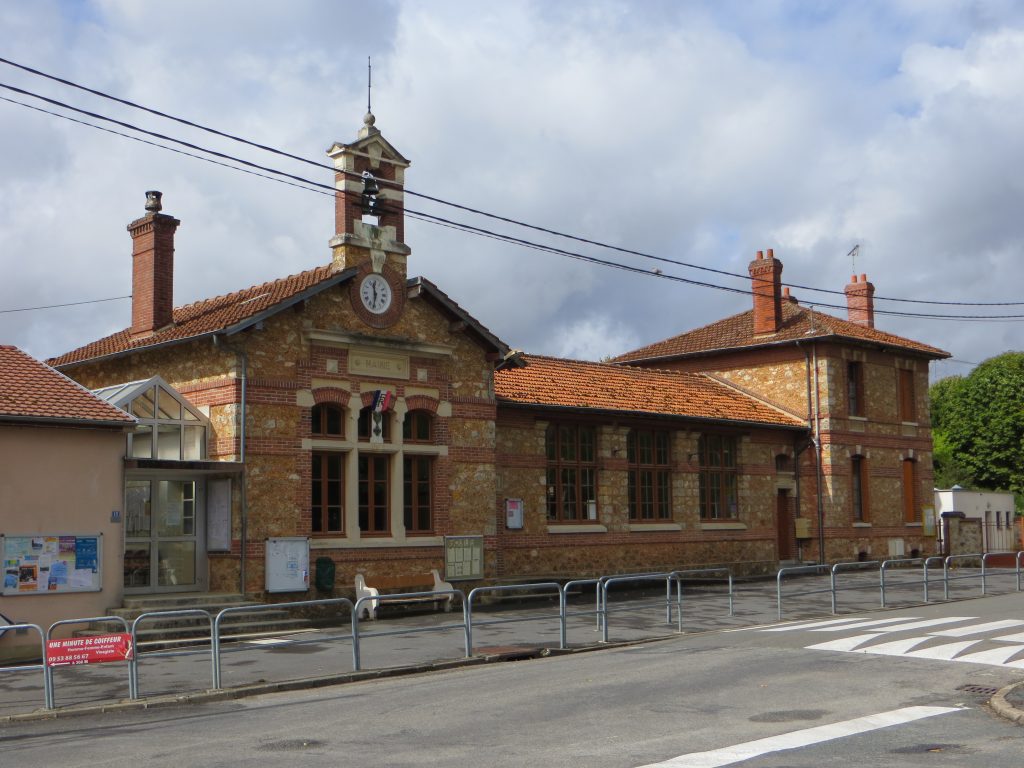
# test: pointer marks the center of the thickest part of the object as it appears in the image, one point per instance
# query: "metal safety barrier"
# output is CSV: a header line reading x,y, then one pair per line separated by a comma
x,y
985,572
859,565
250,609
607,582
516,588
901,562
47,692
407,597
48,670
946,578
679,576
793,570
133,664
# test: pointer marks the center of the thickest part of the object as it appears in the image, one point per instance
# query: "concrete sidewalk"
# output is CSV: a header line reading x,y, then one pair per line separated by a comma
x,y
436,641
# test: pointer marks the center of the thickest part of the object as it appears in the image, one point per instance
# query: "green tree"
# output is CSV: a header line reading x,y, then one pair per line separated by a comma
x,y
978,423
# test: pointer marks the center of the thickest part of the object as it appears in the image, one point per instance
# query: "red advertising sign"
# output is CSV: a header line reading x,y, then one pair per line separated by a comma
x,y
89,650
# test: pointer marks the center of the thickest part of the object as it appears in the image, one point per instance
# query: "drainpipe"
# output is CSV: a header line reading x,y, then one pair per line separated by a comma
x,y
243,365
814,411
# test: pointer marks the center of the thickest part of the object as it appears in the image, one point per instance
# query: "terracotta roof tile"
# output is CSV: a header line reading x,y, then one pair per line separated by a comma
x,y
798,323
552,382
207,316
32,391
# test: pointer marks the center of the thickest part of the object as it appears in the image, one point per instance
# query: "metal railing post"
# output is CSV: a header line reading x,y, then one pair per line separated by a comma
x,y
832,582
133,664
1017,559
984,557
778,591
356,610
945,578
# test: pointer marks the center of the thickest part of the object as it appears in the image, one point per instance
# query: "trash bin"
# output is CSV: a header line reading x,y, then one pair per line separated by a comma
x,y
324,574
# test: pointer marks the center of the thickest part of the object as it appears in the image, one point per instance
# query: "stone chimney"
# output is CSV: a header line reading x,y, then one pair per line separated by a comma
x,y
152,268
860,301
766,284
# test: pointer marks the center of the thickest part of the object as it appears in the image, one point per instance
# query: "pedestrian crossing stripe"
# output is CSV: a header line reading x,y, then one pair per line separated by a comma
x,y
910,647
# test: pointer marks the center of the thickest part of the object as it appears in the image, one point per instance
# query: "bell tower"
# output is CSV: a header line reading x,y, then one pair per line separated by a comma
x,y
369,213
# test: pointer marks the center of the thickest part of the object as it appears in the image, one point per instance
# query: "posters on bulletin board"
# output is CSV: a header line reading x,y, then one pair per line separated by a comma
x,y
51,564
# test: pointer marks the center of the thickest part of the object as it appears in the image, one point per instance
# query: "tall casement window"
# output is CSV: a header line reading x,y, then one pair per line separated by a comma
x,y
328,420
907,411
859,488
418,473
719,498
650,476
328,492
374,481
571,473
855,388
909,492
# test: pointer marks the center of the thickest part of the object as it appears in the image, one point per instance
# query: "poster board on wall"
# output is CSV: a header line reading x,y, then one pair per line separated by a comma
x,y
218,516
463,557
51,564
287,564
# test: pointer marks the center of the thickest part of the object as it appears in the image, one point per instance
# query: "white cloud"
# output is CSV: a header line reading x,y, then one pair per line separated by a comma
x,y
699,132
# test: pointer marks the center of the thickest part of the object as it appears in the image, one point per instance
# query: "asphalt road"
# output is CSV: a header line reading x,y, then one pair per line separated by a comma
x,y
881,693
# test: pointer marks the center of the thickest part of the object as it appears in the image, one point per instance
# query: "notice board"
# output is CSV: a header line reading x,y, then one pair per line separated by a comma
x,y
463,557
287,564
51,564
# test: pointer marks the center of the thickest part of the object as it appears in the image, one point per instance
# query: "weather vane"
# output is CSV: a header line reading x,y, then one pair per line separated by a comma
x,y
369,81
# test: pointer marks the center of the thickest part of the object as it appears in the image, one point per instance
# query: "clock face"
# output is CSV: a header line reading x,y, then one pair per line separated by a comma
x,y
375,292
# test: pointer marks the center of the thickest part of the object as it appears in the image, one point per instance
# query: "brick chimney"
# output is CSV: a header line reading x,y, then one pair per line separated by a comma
x,y
152,268
766,284
860,301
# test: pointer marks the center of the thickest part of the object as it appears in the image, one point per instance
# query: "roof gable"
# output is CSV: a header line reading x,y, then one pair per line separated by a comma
x,y
31,391
798,324
573,384
228,314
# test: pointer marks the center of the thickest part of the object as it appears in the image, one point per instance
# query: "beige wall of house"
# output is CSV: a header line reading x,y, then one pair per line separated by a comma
x,y
61,481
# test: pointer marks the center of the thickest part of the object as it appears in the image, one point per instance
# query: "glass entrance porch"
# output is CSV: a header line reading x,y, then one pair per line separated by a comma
x,y
162,534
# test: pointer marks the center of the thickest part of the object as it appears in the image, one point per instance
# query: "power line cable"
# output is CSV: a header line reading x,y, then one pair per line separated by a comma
x,y
468,209
69,304
315,186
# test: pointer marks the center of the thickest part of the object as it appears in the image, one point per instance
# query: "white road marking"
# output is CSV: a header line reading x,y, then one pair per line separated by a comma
x,y
865,624
1016,638
924,623
844,643
944,652
977,629
810,624
804,738
998,656
896,647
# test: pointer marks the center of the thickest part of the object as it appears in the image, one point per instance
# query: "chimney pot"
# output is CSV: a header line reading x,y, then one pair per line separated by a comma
x,y
853,278
863,277
153,204
760,254
771,253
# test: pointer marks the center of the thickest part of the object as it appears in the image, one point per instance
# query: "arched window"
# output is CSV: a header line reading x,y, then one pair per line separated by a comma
x,y
328,420
418,427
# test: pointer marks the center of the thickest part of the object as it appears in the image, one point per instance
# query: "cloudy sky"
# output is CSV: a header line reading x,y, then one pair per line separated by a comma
x,y
698,132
